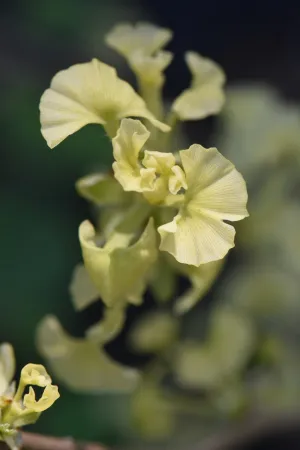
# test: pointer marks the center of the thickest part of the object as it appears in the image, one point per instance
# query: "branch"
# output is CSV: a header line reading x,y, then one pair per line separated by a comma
x,y
33,441
233,438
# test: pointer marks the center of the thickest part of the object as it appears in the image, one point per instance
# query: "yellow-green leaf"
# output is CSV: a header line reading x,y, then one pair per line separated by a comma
x,y
81,364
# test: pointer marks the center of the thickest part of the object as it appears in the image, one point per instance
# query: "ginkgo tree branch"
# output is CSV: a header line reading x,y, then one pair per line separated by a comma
x,y
234,438
34,441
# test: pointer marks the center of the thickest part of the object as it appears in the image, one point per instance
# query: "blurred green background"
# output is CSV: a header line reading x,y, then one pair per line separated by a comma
x,y
40,211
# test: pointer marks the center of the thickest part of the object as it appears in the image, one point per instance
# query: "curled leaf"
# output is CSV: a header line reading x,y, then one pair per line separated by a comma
x,y
205,96
80,363
49,396
35,374
119,271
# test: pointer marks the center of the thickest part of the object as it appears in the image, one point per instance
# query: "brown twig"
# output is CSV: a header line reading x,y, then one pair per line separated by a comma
x,y
33,441
231,439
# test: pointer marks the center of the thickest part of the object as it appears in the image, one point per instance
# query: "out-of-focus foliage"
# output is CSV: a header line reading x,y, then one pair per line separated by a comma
x,y
260,131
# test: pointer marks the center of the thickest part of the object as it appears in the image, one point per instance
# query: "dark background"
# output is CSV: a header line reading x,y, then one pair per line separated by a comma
x,y
39,209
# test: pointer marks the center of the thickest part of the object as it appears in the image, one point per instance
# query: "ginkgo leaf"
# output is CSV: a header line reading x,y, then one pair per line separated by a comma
x,y
119,272
198,233
144,37
88,93
80,363
205,96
